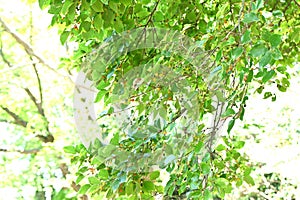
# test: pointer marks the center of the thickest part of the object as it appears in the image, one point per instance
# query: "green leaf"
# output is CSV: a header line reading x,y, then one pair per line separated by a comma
x,y
83,189
129,189
103,174
278,13
199,146
44,3
268,76
228,112
115,139
98,22
79,178
265,59
104,2
205,168
267,95
158,16
66,5
258,50
259,4
70,149
94,189
64,36
239,144
237,52
250,17
246,37
93,180
97,6
207,195
118,25
230,125
163,112
219,55
154,175
249,180
220,147
275,40
148,186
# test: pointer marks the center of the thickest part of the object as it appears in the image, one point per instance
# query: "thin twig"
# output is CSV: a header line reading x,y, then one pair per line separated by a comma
x,y
29,151
30,51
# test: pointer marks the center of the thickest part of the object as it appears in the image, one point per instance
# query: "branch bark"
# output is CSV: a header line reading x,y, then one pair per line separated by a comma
x,y
29,151
29,50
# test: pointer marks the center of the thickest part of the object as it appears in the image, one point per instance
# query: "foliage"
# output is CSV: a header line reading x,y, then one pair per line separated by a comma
x,y
243,42
33,165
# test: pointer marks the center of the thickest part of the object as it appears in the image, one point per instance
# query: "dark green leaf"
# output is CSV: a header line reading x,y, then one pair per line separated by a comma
x,y
265,59
268,76
154,175
245,37
148,186
237,52
275,40
230,125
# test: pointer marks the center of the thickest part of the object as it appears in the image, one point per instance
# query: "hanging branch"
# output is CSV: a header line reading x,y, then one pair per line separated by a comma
x,y
18,120
3,56
29,50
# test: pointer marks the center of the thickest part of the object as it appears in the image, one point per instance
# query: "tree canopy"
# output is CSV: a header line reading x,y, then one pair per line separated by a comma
x,y
168,80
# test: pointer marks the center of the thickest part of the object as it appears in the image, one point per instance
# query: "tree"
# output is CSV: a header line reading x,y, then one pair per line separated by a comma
x,y
206,56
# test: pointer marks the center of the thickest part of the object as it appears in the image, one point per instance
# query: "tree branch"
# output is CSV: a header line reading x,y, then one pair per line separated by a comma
x,y
29,151
29,49
18,120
